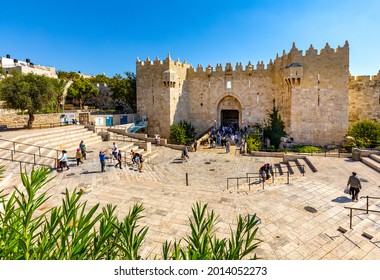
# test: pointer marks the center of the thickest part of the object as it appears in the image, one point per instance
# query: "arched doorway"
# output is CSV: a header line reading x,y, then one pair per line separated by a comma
x,y
229,112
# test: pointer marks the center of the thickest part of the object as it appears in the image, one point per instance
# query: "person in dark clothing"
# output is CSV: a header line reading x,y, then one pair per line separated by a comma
x,y
118,159
355,186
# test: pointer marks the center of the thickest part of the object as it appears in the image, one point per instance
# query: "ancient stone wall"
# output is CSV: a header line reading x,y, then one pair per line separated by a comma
x,y
311,91
364,98
14,120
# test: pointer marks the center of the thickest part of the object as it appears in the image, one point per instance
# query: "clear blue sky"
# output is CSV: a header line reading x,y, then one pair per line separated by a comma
x,y
107,36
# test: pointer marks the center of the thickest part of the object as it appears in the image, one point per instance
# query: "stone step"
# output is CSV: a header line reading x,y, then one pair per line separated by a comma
x,y
41,132
46,140
375,157
371,163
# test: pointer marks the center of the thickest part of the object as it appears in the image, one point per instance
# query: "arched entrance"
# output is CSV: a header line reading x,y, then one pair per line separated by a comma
x,y
229,112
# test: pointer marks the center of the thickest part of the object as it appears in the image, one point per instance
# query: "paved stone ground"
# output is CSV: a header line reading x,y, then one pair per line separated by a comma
x,y
288,231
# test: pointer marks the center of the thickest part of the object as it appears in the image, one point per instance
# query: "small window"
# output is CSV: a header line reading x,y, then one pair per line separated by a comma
x,y
229,84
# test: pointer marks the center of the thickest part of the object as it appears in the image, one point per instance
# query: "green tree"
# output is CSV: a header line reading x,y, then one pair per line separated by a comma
x,y
124,89
82,89
30,92
178,134
365,133
274,127
67,75
100,79
182,133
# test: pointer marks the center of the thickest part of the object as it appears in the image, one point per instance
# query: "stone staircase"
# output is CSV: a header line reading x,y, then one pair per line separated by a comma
x,y
373,161
365,225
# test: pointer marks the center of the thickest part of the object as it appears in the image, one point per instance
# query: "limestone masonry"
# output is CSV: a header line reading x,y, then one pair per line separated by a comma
x,y
314,92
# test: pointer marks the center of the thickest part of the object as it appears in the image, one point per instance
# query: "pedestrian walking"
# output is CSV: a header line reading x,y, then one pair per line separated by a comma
x,y
185,154
114,150
227,146
355,186
141,163
118,159
63,161
82,146
102,157
78,156
195,145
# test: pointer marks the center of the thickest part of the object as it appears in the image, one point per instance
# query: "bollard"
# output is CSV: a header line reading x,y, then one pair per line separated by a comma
x,y
303,170
263,183
288,176
187,179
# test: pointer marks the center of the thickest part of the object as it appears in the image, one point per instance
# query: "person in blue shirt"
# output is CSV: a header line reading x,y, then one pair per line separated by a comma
x,y
102,157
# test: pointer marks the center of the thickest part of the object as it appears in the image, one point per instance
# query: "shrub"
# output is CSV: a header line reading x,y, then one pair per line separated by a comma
x,y
365,133
306,149
253,142
182,133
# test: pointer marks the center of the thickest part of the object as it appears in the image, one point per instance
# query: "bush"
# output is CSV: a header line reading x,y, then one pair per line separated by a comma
x,y
253,142
365,133
31,231
182,133
306,149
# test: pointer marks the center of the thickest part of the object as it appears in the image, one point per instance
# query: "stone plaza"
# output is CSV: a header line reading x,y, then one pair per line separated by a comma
x,y
303,219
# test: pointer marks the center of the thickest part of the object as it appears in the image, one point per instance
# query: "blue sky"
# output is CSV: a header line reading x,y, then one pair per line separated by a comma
x,y
106,36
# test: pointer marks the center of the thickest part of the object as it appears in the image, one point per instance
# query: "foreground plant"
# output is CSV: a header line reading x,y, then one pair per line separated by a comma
x,y
203,244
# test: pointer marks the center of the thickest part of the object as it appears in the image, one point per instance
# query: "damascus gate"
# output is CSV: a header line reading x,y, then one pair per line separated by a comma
x,y
314,92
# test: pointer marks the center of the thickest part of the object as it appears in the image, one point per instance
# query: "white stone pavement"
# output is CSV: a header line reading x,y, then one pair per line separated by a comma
x,y
288,231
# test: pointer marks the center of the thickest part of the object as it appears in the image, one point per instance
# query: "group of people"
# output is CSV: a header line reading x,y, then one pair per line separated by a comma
x,y
81,153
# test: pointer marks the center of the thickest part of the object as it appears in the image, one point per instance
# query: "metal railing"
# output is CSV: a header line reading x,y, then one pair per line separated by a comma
x,y
34,161
118,137
247,179
332,153
360,209
13,151
38,126
15,143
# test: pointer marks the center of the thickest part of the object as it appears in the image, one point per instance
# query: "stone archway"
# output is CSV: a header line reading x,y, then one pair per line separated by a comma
x,y
229,111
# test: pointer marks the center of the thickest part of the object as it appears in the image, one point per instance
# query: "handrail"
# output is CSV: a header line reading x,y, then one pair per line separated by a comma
x,y
367,198
360,209
26,144
248,179
12,159
39,126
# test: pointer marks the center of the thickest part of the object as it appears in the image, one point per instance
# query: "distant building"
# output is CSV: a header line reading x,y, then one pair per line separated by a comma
x,y
25,67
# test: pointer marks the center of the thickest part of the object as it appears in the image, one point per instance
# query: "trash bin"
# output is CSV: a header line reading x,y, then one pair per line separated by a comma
x,y
107,137
356,154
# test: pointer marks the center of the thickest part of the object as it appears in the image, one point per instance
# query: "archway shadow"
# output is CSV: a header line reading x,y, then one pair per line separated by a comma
x,y
341,199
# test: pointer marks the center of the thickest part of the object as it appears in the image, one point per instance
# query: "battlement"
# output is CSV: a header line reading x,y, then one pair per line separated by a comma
x,y
366,78
157,62
292,56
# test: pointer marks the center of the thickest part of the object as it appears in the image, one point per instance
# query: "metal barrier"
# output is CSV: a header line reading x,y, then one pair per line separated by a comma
x,y
13,151
366,209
